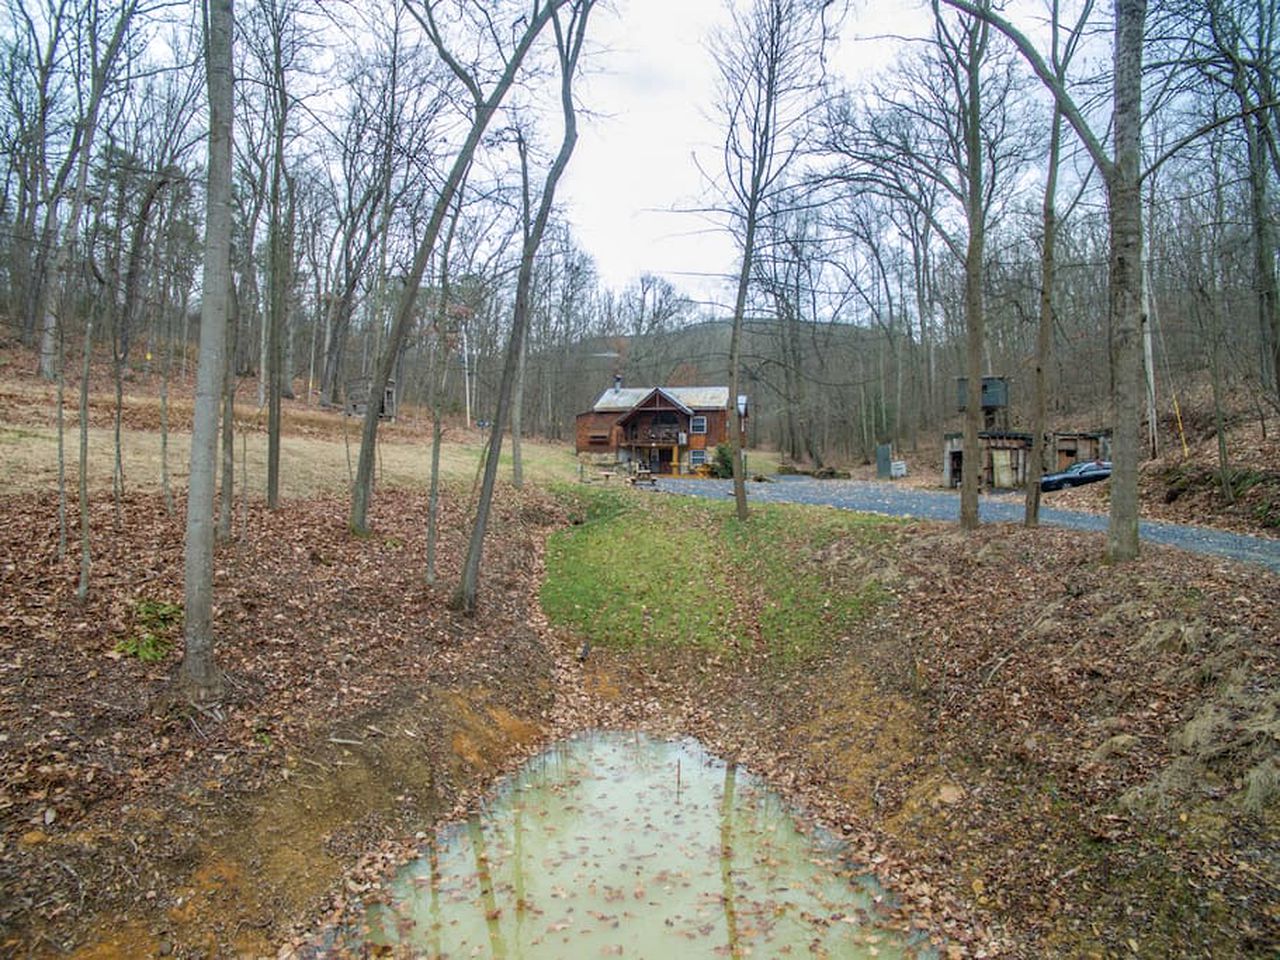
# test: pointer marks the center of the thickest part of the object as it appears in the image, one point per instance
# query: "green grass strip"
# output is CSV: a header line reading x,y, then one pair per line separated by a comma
x,y
638,570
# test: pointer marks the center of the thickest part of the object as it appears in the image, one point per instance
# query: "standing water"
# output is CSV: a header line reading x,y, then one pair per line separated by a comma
x,y
615,844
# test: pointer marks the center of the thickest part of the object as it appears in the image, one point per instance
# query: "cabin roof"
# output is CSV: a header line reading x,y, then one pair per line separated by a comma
x,y
621,399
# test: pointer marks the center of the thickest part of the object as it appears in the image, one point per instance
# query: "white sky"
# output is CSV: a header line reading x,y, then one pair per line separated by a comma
x,y
652,85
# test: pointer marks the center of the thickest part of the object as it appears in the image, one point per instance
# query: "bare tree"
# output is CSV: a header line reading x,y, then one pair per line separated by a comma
x,y
484,104
1060,56
100,45
1121,173
570,37
943,139
1237,41
199,675
768,60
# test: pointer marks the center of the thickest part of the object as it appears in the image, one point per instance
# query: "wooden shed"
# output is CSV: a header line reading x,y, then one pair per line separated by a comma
x,y
357,394
1070,447
1005,456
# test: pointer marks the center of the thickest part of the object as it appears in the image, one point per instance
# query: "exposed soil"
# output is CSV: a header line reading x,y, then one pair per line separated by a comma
x,y
1040,754
1074,759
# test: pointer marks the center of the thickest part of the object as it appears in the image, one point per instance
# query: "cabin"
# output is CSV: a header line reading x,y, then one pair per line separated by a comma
x,y
1070,447
664,430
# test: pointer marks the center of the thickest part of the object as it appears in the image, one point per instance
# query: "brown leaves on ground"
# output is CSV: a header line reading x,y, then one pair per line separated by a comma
x,y
1040,754
1085,755
107,791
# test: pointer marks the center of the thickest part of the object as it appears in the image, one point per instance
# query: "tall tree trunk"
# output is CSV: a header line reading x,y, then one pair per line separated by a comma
x,y
199,674
82,589
971,474
166,373
517,390
280,258
433,489
62,447
435,386
1044,329
1264,253
735,361
569,48
227,492
517,418
1125,287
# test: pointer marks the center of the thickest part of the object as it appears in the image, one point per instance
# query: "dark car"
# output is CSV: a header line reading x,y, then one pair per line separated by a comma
x,y
1086,471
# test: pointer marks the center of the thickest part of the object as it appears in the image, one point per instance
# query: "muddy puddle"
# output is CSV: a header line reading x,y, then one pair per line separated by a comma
x,y
617,844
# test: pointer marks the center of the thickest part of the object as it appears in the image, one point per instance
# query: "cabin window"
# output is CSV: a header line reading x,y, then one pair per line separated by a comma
x,y
697,424
598,438
697,458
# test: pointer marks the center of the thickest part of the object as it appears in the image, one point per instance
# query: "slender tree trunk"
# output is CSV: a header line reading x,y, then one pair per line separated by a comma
x,y
569,49
166,485
975,332
517,399
227,493
82,589
1215,383
62,447
435,386
735,349
1264,252
117,463
199,673
433,495
517,418
280,258
1044,329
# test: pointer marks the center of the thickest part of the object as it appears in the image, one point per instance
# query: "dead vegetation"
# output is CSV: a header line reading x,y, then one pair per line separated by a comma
x,y
1041,754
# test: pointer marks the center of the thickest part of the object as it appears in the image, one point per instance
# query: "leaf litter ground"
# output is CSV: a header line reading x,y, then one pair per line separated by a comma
x,y
1040,754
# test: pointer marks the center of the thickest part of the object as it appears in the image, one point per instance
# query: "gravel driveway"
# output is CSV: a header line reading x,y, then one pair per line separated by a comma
x,y
899,501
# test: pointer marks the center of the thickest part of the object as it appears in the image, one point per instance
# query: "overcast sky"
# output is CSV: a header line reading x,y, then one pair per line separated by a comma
x,y
652,85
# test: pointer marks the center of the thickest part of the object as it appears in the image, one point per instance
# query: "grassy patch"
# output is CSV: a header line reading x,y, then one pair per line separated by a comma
x,y
310,465
640,570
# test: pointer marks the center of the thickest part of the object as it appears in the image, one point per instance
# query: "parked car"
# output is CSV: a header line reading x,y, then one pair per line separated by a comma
x,y
1086,471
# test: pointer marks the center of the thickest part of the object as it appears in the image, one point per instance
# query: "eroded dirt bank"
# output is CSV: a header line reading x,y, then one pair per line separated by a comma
x,y
1040,754
1051,756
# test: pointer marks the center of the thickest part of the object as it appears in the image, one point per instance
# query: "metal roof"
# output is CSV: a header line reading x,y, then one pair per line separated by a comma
x,y
696,398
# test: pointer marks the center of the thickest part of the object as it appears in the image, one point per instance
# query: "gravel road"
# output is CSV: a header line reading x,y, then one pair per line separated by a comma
x,y
900,501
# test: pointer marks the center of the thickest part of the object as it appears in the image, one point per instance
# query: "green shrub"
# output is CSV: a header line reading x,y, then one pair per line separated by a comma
x,y
157,622
722,465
